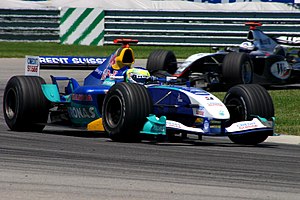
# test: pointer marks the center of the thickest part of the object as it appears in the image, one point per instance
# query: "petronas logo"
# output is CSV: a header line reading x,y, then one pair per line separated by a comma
x,y
83,26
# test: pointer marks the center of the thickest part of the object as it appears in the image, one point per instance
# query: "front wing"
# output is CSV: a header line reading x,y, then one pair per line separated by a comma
x,y
244,127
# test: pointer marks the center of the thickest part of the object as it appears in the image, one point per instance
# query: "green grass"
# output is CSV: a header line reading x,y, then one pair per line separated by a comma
x,y
286,102
21,49
287,111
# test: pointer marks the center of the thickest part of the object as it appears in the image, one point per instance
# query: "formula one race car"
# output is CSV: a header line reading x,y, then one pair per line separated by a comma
x,y
128,103
260,59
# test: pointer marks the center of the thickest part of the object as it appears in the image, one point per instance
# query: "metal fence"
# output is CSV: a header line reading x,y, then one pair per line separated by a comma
x,y
188,28
29,25
195,28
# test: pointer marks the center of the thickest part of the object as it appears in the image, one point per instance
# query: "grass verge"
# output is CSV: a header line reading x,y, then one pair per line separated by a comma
x,y
21,49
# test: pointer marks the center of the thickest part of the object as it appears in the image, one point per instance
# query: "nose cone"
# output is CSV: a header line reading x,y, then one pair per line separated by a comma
x,y
209,106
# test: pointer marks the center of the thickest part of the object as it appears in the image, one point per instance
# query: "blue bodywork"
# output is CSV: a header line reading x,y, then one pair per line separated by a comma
x,y
79,105
82,104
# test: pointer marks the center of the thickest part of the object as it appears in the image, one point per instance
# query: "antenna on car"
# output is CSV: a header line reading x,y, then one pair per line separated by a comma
x,y
125,42
253,25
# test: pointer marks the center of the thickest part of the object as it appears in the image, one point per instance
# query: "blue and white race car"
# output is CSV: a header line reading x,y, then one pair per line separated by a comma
x,y
128,103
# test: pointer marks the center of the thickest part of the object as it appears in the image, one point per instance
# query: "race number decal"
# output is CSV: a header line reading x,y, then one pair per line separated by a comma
x,y
32,66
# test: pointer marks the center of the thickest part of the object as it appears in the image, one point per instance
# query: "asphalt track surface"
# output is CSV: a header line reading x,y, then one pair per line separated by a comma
x,y
69,164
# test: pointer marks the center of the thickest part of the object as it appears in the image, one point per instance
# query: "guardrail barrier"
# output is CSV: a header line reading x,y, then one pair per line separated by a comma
x,y
96,27
29,25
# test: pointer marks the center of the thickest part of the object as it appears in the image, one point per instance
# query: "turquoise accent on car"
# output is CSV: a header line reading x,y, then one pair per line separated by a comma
x,y
197,91
155,126
82,115
166,87
269,123
51,92
109,82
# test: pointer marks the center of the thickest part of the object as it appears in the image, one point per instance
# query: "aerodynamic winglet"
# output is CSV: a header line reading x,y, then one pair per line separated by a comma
x,y
253,25
125,42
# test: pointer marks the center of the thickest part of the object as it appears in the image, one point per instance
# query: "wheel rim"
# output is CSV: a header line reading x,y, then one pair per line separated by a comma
x,y
237,110
10,104
114,111
247,72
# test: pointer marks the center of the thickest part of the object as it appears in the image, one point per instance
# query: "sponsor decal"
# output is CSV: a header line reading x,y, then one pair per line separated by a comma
x,y
214,104
99,72
32,66
87,61
112,60
221,112
157,128
209,98
247,125
71,60
177,125
201,108
206,126
109,82
32,61
106,73
200,111
82,97
173,124
179,99
281,70
82,112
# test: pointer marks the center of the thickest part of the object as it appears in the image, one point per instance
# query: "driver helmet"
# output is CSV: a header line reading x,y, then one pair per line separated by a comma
x,y
137,75
247,46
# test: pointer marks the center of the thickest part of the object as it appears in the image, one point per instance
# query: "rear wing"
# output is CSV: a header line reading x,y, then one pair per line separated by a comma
x,y
287,40
70,62
33,64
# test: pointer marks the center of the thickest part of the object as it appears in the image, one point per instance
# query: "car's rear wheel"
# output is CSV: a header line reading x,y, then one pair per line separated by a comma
x,y
237,68
125,109
244,102
162,60
24,105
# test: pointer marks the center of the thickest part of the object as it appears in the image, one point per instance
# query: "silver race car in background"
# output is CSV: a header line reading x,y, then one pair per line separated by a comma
x,y
259,59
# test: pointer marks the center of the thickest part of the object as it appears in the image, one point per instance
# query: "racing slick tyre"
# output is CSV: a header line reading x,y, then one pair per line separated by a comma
x,y
245,101
124,111
24,105
237,68
162,60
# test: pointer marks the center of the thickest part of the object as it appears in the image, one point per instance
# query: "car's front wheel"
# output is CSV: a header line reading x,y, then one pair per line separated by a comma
x,y
244,102
124,111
